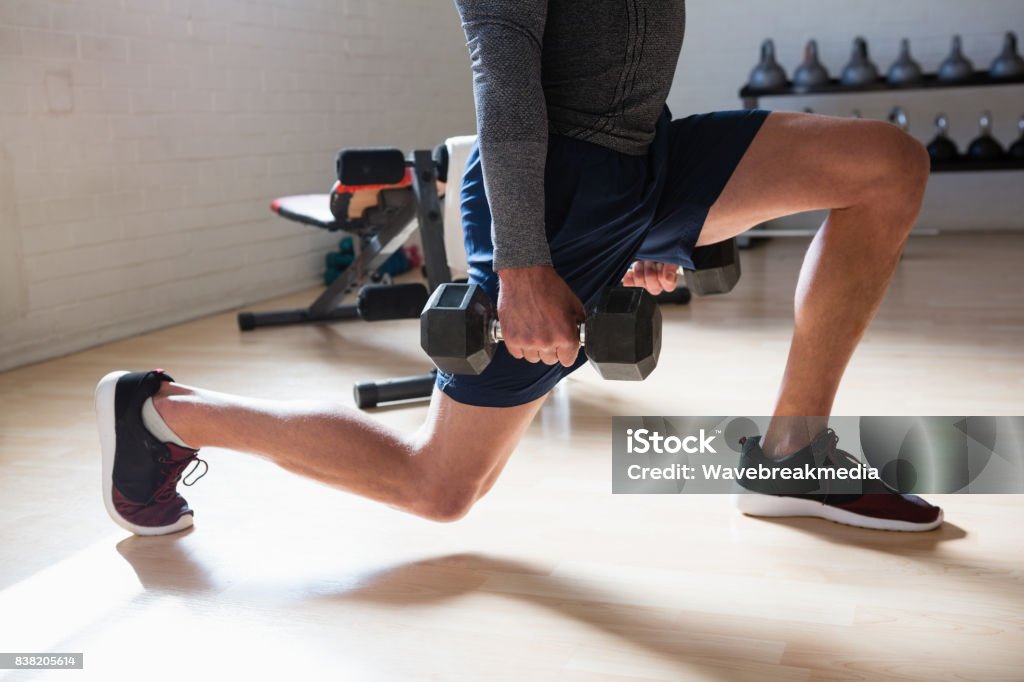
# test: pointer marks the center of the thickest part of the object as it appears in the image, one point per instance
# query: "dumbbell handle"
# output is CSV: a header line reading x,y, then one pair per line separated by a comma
x,y
497,336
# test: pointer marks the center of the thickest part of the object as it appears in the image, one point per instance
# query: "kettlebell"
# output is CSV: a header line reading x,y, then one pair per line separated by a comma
x,y
956,67
767,75
898,117
811,73
985,147
1009,63
1017,148
942,148
905,71
860,71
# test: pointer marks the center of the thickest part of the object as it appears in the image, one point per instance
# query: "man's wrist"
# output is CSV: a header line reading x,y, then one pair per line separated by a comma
x,y
524,274
527,254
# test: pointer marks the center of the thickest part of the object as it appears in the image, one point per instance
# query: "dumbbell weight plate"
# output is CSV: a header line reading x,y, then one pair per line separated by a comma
x,y
455,329
716,268
623,334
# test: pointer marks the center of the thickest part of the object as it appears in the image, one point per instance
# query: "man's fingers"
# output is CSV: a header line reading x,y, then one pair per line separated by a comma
x,y
549,356
633,276
652,275
669,277
567,355
639,275
628,279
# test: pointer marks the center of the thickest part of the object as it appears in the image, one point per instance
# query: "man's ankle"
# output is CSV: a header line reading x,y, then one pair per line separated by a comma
x,y
160,415
788,435
779,449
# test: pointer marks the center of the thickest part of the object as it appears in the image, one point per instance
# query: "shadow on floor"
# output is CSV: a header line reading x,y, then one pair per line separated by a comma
x,y
679,639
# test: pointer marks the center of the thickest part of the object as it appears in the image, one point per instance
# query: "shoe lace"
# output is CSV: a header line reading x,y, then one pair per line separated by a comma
x,y
824,447
173,471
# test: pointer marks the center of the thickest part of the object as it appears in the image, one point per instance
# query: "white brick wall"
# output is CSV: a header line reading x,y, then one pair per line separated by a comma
x,y
141,142
723,43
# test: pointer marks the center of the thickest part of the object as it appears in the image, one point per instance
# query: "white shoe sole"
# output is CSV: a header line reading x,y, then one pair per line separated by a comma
x,y
756,504
105,418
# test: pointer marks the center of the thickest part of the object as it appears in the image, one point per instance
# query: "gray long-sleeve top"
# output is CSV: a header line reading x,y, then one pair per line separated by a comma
x,y
594,70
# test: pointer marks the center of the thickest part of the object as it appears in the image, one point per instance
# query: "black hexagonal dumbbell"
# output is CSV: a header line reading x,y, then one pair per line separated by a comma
x,y
716,268
459,330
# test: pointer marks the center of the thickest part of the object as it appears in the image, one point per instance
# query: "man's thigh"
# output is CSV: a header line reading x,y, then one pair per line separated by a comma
x,y
796,163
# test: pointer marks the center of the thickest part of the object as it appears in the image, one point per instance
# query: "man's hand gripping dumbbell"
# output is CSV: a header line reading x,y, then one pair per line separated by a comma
x,y
621,334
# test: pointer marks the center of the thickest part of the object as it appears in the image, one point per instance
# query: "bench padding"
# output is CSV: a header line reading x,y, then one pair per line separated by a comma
x,y
311,209
315,209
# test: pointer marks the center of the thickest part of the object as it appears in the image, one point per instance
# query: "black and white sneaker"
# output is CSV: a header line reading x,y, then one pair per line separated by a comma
x,y
867,503
140,473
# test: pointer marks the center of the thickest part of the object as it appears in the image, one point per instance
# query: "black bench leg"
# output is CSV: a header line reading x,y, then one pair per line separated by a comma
x,y
372,393
247,321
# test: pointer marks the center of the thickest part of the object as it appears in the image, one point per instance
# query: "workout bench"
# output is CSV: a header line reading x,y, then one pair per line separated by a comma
x,y
407,199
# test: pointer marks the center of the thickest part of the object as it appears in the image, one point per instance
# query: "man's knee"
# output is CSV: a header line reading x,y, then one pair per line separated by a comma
x,y
443,494
446,504
910,164
899,165
886,177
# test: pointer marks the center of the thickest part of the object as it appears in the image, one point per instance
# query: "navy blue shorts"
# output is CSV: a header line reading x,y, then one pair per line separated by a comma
x,y
603,210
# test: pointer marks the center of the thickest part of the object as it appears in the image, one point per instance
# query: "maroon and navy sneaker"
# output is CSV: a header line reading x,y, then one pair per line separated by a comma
x,y
864,502
140,473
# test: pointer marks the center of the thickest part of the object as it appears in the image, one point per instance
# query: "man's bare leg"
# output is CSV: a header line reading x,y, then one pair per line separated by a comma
x,y
872,176
437,472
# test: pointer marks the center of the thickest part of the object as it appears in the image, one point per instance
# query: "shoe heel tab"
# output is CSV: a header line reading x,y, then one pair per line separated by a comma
x,y
162,374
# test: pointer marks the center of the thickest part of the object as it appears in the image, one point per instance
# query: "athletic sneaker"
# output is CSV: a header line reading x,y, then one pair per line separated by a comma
x,y
868,503
140,473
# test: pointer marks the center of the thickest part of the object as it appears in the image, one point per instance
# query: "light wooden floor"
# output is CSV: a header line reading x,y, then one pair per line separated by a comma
x,y
550,577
